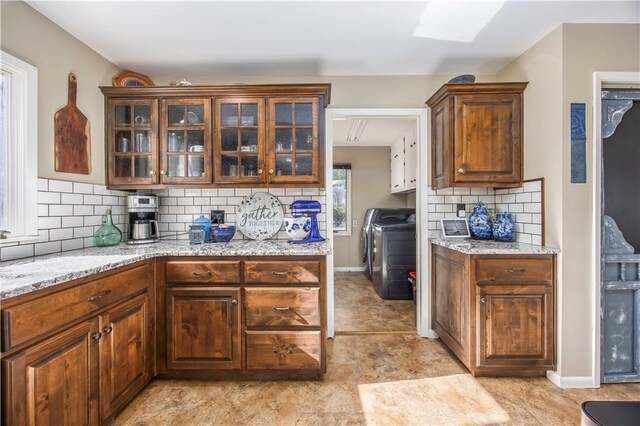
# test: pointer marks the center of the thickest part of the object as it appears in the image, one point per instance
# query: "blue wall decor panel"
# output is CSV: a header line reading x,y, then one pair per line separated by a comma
x,y
578,144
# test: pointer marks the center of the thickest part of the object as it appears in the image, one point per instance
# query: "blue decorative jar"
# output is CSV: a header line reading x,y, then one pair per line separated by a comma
x,y
503,228
206,224
480,223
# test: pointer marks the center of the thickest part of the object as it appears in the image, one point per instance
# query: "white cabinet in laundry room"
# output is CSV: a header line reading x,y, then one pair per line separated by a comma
x,y
404,155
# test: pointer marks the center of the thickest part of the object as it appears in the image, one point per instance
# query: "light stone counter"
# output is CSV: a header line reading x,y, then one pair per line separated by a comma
x,y
469,246
35,273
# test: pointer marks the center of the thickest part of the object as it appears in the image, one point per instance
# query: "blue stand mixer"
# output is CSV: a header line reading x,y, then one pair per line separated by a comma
x,y
308,208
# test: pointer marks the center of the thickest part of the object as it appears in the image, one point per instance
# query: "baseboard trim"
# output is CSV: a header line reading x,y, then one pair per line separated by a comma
x,y
564,382
349,268
430,334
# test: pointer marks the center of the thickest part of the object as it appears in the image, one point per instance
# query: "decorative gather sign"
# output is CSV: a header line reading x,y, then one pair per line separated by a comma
x,y
259,216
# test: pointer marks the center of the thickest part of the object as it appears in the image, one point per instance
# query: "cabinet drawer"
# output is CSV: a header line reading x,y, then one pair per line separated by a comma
x,y
282,307
299,350
514,270
203,272
41,316
281,272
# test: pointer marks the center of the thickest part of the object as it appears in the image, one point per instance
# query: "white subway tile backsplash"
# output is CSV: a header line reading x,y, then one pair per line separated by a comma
x,y
43,210
213,192
226,192
93,199
532,186
60,186
110,200
70,222
69,198
82,210
92,220
60,234
72,244
43,184
185,201
49,222
85,231
48,197
82,188
523,198
192,192
16,252
46,248
60,210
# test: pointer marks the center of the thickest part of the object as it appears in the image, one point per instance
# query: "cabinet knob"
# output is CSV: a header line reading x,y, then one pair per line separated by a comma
x,y
162,172
270,171
260,171
234,302
152,172
461,170
96,336
483,300
108,329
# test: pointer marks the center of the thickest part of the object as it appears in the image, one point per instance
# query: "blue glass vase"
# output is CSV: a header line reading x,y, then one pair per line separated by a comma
x,y
503,228
480,223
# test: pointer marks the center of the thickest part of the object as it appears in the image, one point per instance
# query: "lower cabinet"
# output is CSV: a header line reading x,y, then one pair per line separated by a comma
x,y
54,382
91,363
203,328
495,312
126,352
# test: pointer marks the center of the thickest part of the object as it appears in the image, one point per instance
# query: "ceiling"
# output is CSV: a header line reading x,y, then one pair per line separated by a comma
x,y
377,131
240,38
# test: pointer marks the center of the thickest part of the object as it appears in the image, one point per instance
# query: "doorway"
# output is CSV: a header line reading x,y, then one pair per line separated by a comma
x,y
349,272
616,190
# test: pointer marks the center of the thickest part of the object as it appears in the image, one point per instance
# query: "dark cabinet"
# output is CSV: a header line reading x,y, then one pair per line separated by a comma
x,y
125,352
215,136
203,328
495,313
477,135
55,381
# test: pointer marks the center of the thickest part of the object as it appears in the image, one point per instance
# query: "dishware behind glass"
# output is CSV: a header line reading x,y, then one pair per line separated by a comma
x,y
123,145
140,120
196,148
233,170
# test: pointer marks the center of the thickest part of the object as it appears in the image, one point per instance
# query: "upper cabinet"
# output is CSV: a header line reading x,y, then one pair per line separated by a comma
x,y
404,157
476,135
215,136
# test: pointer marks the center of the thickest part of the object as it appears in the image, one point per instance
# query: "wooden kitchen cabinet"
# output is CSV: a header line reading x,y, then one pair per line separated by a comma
x,y
185,141
126,352
78,354
55,381
477,135
132,141
216,136
495,312
203,328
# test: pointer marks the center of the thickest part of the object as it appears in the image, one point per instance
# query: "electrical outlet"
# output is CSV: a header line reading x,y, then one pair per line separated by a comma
x,y
355,223
460,210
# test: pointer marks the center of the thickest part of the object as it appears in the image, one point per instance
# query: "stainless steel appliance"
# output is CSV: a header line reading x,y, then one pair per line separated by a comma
x,y
382,216
143,219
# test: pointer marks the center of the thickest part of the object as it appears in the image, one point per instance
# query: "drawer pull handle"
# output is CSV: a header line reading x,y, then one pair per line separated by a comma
x,y
516,271
284,351
204,274
280,273
98,296
96,336
108,329
281,308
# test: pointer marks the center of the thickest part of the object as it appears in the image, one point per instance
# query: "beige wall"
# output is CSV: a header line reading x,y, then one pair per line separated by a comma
x,y
370,187
560,69
28,35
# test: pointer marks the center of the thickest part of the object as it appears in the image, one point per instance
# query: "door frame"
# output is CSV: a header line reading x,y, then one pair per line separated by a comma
x,y
600,79
423,290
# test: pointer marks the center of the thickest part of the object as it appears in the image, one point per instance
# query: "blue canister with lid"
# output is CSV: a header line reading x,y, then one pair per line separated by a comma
x,y
207,226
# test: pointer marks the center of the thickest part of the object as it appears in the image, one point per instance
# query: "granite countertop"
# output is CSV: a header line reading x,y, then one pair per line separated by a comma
x,y
27,275
469,246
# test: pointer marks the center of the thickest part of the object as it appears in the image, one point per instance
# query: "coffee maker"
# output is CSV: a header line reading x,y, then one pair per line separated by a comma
x,y
143,219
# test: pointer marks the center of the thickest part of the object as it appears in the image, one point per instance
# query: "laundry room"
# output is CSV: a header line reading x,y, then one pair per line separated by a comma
x,y
374,223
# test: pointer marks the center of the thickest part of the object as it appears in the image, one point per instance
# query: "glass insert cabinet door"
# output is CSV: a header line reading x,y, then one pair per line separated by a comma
x,y
293,140
238,140
131,139
185,139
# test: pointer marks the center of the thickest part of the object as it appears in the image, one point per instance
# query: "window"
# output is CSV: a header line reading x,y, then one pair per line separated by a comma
x,y
342,199
18,149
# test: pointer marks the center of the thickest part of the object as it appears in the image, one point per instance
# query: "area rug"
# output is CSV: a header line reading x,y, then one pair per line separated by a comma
x,y
448,400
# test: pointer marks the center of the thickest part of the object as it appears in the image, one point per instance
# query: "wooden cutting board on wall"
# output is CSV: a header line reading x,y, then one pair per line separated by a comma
x,y
72,136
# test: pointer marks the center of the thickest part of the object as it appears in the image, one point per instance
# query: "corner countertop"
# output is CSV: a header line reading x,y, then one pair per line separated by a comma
x,y
469,246
35,273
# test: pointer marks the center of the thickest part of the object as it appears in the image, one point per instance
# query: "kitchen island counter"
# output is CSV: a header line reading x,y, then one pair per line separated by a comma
x,y
28,275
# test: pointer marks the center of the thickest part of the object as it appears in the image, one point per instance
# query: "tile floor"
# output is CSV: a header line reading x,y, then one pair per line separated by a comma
x,y
358,308
334,399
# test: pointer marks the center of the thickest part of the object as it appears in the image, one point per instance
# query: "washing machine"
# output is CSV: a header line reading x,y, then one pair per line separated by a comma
x,y
381,216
